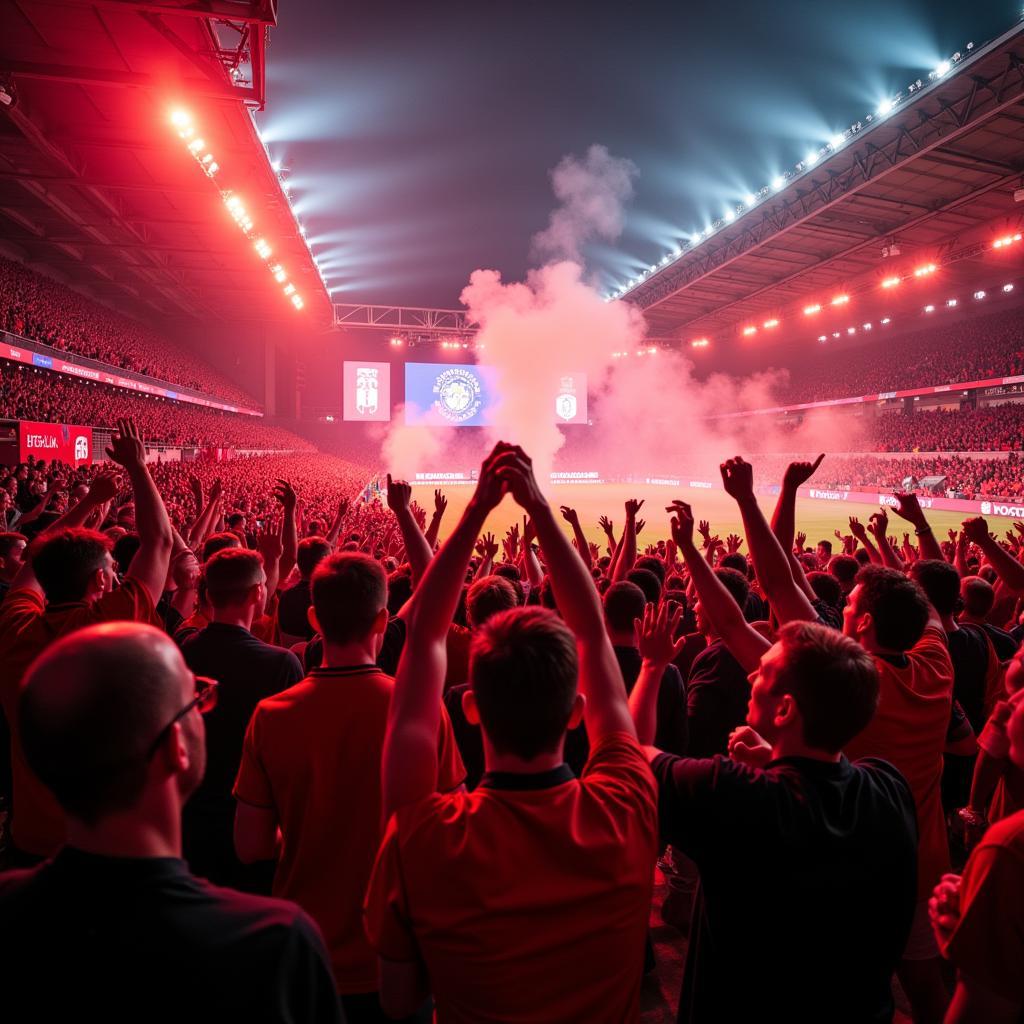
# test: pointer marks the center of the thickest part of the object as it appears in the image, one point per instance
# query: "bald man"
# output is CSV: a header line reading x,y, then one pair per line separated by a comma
x,y
114,923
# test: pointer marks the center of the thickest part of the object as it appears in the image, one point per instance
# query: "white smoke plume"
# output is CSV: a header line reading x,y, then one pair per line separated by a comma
x,y
408,450
592,192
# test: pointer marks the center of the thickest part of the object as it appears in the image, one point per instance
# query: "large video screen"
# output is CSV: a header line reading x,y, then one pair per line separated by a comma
x,y
367,389
463,395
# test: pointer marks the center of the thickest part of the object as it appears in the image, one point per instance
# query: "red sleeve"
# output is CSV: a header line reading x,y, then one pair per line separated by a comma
x,y
988,943
618,767
385,909
130,601
20,607
252,786
451,772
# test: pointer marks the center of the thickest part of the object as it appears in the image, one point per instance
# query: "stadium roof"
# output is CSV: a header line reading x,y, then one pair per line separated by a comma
x,y
97,185
935,176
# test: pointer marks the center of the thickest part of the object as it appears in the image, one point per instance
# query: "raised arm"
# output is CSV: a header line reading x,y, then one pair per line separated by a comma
x,y
909,508
625,557
878,524
1010,571
726,617
600,679
861,534
571,516
771,563
655,641
409,761
339,519
285,494
156,538
608,528
440,504
417,550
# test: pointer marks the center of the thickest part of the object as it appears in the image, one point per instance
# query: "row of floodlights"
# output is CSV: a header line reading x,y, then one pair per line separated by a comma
x,y
182,121
779,182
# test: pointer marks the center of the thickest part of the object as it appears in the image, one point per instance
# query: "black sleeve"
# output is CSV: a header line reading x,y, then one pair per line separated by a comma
x,y
291,670
305,989
672,731
391,648
685,799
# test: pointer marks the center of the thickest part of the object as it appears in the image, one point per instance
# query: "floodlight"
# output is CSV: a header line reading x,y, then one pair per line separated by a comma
x,y
836,141
778,181
885,106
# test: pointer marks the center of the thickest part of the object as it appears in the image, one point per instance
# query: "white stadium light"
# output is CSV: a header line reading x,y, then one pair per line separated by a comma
x,y
1007,288
750,199
941,68
729,216
836,141
811,159
979,295
885,106
778,181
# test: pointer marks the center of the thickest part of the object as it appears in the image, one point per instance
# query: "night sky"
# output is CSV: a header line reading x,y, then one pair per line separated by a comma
x,y
420,136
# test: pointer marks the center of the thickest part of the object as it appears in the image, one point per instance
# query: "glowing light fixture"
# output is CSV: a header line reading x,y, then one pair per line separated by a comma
x,y
699,343
840,300
885,106
886,320
979,294
778,181
769,324
924,271
941,69
891,282
748,331
950,303
750,199
812,309
1007,288
1002,243
929,308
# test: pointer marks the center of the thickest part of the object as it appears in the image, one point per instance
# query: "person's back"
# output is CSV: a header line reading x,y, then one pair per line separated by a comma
x,y
311,762
115,926
536,887
142,939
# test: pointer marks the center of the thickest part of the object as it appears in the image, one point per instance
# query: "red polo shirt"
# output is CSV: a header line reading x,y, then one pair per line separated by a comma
x,y
312,753
528,898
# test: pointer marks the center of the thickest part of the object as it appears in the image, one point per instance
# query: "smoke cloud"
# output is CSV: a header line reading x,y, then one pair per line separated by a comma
x,y
592,192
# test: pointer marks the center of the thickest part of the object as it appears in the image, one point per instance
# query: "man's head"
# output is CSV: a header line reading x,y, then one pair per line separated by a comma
x,y
941,583
97,721
350,599
126,515
886,611
735,560
124,550
813,685
647,582
978,596
219,542
845,569
824,551
74,564
12,550
826,588
235,522
652,564
624,602
522,671
737,585
488,597
311,552
513,575
235,582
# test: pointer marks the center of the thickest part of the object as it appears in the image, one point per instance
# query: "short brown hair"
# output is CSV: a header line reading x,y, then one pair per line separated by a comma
x,y
349,590
487,597
65,561
833,680
230,575
523,669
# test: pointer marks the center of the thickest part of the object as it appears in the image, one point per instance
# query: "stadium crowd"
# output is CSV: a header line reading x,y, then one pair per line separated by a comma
x,y
277,754
46,311
46,397
980,348
992,428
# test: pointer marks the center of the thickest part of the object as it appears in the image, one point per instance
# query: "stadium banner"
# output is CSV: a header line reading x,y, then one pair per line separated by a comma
x,y
55,442
1002,507
367,389
465,394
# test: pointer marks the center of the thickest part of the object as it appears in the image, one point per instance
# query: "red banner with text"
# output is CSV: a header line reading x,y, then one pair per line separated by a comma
x,y
55,442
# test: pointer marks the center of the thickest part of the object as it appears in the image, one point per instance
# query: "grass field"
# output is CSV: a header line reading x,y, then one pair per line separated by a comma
x,y
818,519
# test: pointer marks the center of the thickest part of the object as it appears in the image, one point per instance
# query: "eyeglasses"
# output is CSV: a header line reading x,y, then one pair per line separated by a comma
x,y
204,701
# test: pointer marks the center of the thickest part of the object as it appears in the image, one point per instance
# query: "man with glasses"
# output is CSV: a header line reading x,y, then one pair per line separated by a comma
x,y
110,723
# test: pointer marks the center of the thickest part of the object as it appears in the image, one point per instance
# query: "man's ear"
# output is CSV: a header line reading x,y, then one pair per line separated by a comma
x,y
313,620
380,624
579,705
865,622
469,708
786,711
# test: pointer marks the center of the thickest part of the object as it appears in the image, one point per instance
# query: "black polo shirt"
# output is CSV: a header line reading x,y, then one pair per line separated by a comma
x,y
387,658
717,695
132,939
808,885
248,670
293,607
672,729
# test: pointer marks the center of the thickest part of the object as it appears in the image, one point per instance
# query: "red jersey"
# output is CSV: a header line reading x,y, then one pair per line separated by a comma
x,y
312,753
915,701
528,898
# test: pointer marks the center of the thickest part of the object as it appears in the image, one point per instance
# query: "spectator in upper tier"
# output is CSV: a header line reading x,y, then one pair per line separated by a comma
x,y
110,724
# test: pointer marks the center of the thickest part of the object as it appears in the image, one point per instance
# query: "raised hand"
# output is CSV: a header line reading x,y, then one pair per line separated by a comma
x,y
733,543
105,486
909,508
399,494
487,546
799,541
878,524
976,530
285,494
704,529
571,516
217,490
655,633
606,524
595,552
529,533
798,473
857,529
640,524
748,747
682,524
632,507
126,447
738,479
516,472
270,545
440,503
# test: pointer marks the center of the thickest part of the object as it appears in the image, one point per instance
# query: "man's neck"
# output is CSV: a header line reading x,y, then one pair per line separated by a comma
x,y
495,762
949,624
973,620
359,652
794,746
233,617
153,831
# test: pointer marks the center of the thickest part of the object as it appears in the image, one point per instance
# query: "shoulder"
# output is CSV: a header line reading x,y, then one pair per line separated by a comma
x,y
20,605
887,778
1006,836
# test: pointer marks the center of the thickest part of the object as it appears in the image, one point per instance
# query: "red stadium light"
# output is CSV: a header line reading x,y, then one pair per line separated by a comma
x,y
840,300
928,268
823,337
769,324
1002,243
811,310
748,331
891,282
699,343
